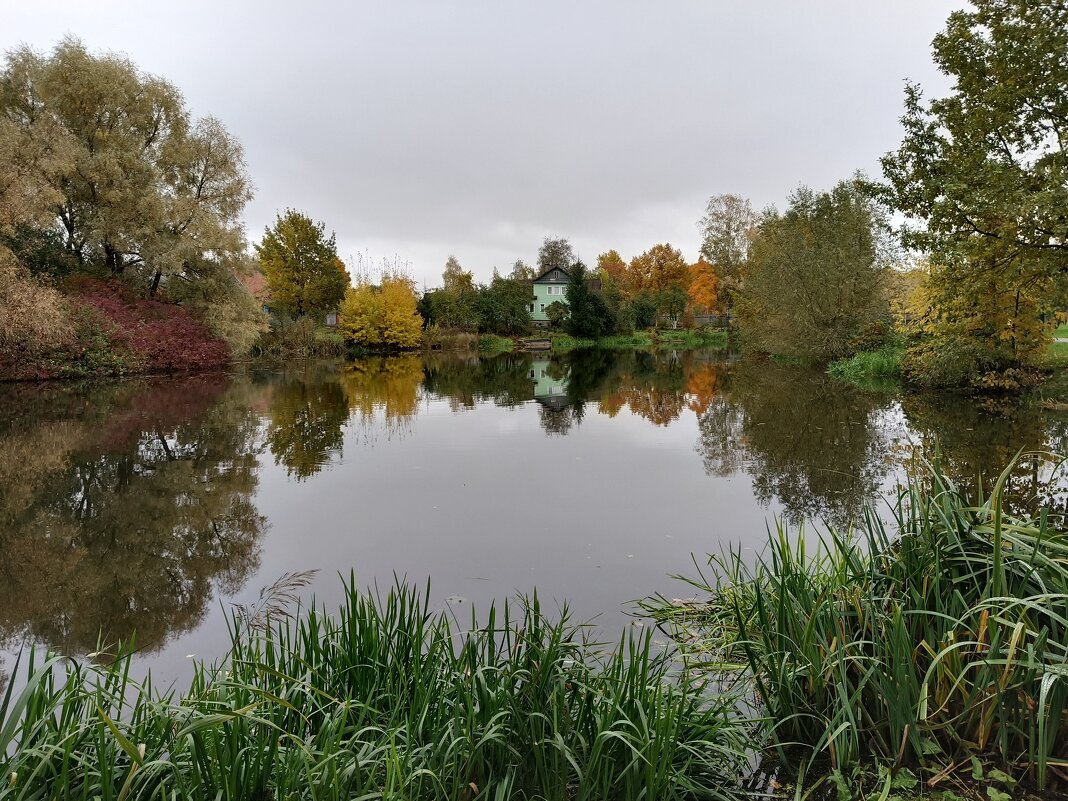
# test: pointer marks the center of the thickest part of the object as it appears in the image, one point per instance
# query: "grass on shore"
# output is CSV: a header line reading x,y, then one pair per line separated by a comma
x,y
680,339
491,344
938,646
1057,355
692,338
873,367
384,700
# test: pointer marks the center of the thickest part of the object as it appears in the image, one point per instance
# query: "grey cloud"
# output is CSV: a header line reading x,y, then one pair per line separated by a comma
x,y
477,128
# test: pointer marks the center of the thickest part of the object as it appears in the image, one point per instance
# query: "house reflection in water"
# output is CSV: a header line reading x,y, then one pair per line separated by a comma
x,y
550,383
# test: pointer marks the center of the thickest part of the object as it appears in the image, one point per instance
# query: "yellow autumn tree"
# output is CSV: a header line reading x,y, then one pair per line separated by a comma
x,y
982,329
383,316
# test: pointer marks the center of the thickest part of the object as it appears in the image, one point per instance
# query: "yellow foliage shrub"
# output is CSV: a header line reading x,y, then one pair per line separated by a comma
x,y
383,316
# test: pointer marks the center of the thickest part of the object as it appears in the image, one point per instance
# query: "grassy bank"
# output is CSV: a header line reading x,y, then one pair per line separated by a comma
x,y
692,338
491,344
938,646
680,339
874,367
386,699
435,338
301,339
1057,355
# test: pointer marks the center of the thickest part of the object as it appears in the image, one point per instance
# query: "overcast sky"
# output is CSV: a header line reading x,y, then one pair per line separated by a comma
x,y
422,129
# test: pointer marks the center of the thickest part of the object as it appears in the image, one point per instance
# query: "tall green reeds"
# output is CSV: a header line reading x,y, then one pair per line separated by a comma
x,y
384,700
941,639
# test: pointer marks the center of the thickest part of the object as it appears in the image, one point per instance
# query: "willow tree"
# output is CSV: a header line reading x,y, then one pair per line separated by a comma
x,y
982,176
143,191
814,280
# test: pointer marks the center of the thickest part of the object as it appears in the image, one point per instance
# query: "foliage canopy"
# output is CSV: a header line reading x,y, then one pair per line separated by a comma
x,y
304,274
814,278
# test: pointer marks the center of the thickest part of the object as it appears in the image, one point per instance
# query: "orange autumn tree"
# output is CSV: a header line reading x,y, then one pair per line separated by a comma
x,y
612,264
660,268
704,286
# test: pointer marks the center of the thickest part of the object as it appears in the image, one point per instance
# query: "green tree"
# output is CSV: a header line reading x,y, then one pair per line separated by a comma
x,y
557,313
455,278
555,252
455,305
304,274
982,176
672,303
611,263
589,315
643,308
814,284
521,271
503,306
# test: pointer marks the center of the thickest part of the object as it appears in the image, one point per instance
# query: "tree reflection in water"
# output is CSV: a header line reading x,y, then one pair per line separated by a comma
x,y
123,508
974,439
307,414
808,440
383,394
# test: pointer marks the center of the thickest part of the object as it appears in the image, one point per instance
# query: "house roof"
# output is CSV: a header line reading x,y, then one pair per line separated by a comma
x,y
545,272
256,283
593,283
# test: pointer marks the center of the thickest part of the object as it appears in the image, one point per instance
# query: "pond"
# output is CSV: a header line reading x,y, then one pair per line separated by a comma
x,y
146,508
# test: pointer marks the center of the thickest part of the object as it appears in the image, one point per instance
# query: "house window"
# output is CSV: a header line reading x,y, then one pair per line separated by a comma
x,y
532,374
543,307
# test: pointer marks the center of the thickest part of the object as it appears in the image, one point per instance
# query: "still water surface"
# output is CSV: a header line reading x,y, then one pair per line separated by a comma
x,y
148,507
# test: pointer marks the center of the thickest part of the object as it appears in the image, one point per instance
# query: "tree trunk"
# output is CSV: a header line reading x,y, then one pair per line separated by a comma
x,y
155,284
112,259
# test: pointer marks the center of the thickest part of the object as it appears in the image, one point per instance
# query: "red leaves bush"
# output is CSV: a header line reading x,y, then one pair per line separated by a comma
x,y
153,336
116,332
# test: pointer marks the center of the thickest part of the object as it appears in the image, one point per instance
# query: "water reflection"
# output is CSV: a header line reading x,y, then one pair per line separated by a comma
x,y
973,439
809,441
383,394
123,508
467,381
308,409
127,507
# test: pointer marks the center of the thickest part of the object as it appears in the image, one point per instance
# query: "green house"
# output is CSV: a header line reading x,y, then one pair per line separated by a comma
x,y
549,287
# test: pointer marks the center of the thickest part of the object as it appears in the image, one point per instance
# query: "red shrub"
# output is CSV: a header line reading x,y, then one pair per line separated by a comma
x,y
163,337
